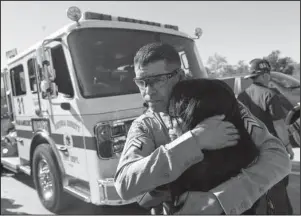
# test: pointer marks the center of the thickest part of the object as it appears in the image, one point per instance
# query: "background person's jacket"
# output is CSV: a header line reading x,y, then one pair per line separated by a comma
x,y
264,103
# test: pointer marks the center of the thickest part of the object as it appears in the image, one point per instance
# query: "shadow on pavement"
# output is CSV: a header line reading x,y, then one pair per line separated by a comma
x,y
7,205
77,206
25,179
90,209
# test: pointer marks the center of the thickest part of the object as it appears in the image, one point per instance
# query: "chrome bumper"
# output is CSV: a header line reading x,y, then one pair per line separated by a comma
x,y
109,195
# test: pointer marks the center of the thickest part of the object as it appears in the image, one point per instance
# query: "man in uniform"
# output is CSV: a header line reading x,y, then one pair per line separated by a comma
x,y
150,159
265,104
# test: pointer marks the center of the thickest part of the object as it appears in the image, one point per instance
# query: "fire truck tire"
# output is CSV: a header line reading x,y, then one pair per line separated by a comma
x,y
47,179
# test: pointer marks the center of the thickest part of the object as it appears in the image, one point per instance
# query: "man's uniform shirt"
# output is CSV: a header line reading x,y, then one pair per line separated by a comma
x,y
149,160
285,103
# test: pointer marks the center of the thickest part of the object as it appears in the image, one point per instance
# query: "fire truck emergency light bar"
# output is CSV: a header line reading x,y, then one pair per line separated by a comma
x,y
98,16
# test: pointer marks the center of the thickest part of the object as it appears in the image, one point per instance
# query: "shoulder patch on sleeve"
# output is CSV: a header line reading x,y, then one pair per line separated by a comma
x,y
249,122
136,142
137,128
135,136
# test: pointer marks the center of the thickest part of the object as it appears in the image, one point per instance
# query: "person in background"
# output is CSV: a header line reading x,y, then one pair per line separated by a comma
x,y
264,103
150,160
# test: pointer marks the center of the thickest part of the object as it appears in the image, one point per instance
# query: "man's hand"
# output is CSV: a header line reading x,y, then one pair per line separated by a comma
x,y
214,133
290,151
154,198
200,203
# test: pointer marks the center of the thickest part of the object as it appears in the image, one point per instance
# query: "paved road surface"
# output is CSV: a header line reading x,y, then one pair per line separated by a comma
x,y
18,196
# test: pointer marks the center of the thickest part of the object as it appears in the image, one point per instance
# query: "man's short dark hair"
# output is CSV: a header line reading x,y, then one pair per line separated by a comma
x,y
156,52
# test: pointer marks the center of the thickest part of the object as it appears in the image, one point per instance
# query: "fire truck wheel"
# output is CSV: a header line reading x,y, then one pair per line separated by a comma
x,y
47,179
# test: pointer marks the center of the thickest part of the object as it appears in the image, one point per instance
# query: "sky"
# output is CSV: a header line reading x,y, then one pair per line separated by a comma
x,y
236,30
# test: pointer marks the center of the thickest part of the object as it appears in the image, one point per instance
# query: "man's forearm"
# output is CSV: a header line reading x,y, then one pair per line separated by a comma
x,y
162,166
240,193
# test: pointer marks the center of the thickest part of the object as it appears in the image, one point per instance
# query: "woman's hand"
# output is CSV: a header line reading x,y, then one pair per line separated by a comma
x,y
214,133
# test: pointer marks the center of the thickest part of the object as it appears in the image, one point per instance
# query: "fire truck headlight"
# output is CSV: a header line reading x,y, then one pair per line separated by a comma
x,y
110,139
74,13
102,134
118,146
105,150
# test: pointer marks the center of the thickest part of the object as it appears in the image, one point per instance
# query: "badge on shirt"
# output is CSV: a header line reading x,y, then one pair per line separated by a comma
x,y
263,65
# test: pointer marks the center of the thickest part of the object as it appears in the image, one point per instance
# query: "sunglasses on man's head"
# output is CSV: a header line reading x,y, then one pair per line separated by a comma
x,y
156,79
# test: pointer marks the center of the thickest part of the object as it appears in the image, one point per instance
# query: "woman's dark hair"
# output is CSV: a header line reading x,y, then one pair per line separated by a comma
x,y
197,99
194,101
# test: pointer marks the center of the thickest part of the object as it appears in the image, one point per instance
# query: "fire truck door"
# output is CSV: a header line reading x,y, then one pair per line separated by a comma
x,y
22,107
65,119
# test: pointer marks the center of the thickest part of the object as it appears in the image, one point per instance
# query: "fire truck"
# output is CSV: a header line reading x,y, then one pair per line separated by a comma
x,y
72,100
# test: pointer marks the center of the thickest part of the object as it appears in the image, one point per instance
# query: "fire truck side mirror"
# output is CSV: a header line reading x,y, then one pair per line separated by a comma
x,y
39,55
48,63
49,89
44,61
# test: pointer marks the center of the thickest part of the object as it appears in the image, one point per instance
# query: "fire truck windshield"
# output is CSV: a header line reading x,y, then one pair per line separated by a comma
x,y
103,58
